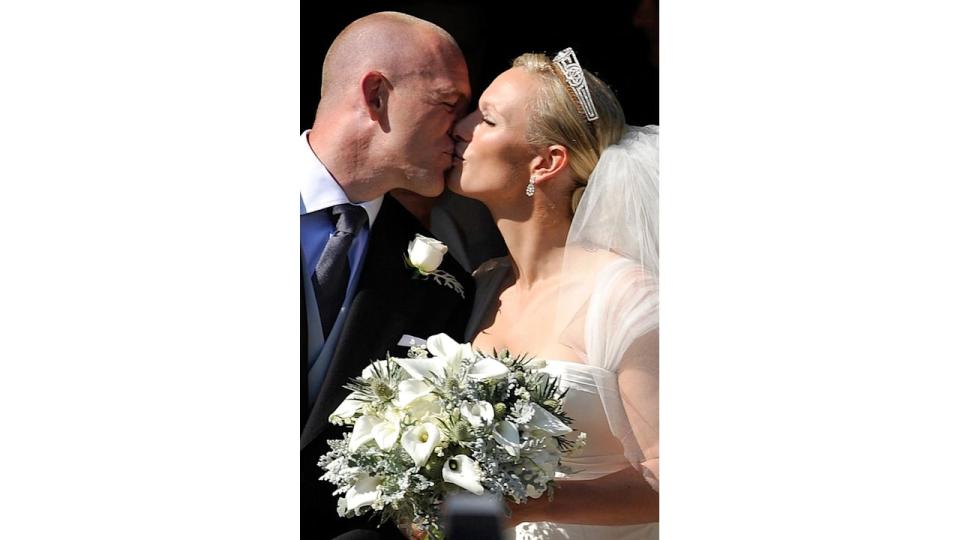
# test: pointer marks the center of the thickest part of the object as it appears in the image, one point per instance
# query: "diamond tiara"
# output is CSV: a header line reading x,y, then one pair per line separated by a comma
x,y
566,60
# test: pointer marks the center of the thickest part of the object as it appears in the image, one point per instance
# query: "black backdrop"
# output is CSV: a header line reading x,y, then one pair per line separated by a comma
x,y
614,39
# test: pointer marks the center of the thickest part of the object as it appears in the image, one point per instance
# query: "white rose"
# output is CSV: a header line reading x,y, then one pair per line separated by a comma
x,y
426,253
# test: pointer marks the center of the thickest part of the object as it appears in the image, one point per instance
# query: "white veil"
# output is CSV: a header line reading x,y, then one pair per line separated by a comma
x,y
619,210
609,307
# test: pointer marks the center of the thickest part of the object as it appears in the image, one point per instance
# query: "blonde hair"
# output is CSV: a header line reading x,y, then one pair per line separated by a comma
x,y
558,118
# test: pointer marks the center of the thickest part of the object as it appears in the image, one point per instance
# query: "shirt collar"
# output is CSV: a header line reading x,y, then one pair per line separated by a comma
x,y
319,190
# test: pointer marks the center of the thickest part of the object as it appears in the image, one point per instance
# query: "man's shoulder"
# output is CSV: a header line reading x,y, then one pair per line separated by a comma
x,y
394,216
390,236
394,226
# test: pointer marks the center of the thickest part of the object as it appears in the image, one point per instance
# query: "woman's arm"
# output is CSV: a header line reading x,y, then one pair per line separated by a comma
x,y
620,498
639,383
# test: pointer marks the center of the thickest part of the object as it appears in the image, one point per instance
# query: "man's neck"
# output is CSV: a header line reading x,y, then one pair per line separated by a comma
x,y
344,156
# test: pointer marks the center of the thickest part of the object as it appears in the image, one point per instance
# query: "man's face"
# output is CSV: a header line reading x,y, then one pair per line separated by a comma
x,y
423,111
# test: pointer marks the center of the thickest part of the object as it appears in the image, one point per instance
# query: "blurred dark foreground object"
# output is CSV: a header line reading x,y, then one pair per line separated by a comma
x,y
468,517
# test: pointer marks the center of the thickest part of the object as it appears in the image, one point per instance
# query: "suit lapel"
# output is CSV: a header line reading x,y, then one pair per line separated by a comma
x,y
488,283
388,303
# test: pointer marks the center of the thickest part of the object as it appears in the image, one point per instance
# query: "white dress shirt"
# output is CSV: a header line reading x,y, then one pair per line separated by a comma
x,y
318,191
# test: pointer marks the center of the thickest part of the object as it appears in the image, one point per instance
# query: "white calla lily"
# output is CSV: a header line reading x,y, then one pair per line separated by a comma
x,y
348,408
363,430
488,369
444,346
420,440
386,433
506,433
462,471
410,390
364,492
418,368
478,414
447,357
454,353
546,422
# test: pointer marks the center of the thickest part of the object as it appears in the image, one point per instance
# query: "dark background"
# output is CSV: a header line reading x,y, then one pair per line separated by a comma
x,y
616,40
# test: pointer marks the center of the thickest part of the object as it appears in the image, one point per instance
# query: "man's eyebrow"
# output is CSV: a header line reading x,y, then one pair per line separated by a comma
x,y
450,93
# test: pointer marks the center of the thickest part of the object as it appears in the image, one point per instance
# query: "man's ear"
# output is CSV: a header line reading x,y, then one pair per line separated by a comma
x,y
549,162
375,89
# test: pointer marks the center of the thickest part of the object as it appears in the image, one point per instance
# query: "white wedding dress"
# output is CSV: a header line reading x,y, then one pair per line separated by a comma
x,y
612,310
603,454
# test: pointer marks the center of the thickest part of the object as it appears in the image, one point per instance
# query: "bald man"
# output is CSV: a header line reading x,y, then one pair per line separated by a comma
x,y
392,87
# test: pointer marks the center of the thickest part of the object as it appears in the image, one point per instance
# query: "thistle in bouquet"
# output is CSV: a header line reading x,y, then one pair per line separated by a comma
x,y
446,419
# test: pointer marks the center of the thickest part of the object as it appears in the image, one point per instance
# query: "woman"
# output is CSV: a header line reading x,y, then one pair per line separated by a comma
x,y
574,193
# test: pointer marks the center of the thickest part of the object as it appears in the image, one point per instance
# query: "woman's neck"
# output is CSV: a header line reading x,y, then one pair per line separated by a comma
x,y
535,245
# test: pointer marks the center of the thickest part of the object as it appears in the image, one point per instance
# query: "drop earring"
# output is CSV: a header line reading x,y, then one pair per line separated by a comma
x,y
530,186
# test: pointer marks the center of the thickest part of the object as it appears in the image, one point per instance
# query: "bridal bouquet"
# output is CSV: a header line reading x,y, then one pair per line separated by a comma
x,y
444,420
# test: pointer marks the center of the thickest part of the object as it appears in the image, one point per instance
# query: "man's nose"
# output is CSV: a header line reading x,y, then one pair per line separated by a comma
x,y
463,130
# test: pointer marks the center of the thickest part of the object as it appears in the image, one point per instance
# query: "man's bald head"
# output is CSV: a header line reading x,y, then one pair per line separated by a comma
x,y
395,44
393,86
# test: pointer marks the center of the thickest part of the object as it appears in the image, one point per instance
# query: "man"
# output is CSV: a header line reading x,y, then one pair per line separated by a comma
x,y
392,88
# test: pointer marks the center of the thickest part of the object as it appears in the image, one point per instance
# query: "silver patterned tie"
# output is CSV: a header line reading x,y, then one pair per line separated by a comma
x,y
332,272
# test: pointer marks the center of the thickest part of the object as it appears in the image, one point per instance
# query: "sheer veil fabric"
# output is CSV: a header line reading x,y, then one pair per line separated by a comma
x,y
608,309
619,210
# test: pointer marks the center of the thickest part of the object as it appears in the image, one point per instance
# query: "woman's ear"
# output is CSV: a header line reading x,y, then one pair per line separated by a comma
x,y
375,90
549,162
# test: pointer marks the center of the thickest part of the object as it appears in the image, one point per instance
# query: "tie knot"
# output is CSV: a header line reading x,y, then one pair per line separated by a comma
x,y
348,218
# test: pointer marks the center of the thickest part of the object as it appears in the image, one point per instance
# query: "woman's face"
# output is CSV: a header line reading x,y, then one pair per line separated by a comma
x,y
492,159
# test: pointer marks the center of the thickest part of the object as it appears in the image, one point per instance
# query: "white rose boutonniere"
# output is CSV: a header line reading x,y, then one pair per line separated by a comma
x,y
424,255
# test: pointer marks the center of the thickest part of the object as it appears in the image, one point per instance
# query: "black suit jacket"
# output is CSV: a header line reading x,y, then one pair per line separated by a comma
x,y
389,303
